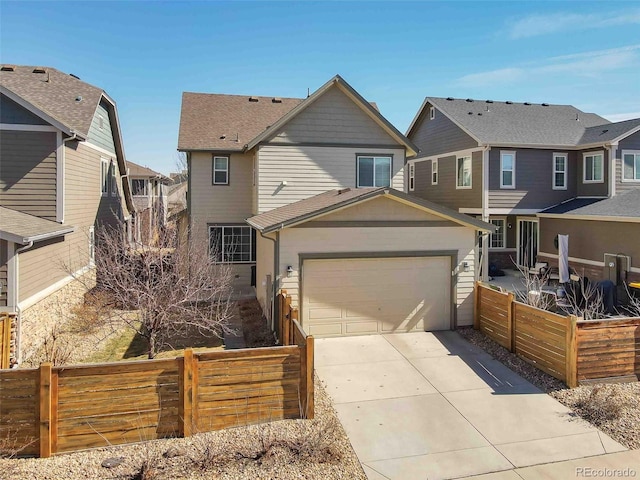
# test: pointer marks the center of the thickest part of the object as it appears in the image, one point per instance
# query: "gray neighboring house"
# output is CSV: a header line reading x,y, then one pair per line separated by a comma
x,y
509,162
61,169
356,254
149,190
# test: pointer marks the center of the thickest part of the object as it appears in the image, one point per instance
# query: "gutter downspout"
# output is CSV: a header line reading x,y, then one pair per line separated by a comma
x,y
485,213
17,297
612,149
276,263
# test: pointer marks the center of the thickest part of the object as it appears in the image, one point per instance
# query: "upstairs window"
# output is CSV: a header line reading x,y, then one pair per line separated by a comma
x,y
507,169
434,172
497,239
113,181
593,167
463,169
432,113
559,171
220,170
104,176
412,177
232,244
139,188
631,166
374,171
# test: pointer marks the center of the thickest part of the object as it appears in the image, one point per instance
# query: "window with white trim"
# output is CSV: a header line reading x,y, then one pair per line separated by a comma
x,y
463,169
232,243
507,169
113,182
432,113
434,172
373,171
139,187
593,167
497,240
104,176
631,166
560,171
412,177
220,174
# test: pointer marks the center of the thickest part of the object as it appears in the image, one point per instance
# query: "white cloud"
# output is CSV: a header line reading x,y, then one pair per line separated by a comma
x,y
544,24
619,117
585,64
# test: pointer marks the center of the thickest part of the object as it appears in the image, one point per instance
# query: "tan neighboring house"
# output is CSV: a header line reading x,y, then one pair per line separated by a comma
x,y
149,191
306,195
62,165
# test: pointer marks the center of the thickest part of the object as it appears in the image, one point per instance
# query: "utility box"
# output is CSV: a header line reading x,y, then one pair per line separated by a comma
x,y
616,267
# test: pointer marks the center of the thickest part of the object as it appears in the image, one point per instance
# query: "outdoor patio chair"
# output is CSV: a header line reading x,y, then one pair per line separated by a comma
x,y
539,269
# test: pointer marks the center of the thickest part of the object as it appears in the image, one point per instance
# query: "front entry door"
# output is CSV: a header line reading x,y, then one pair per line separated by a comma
x,y
527,242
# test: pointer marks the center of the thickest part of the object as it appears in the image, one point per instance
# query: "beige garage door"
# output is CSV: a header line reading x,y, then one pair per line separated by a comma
x,y
377,295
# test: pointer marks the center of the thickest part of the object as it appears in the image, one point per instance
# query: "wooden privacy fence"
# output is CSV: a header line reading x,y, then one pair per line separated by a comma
x,y
6,322
61,409
565,347
287,315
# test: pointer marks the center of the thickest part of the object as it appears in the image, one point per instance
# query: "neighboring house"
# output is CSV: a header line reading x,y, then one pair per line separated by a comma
x,y
62,164
376,261
149,191
506,162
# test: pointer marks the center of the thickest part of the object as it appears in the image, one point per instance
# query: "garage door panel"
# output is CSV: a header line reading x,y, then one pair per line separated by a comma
x,y
378,295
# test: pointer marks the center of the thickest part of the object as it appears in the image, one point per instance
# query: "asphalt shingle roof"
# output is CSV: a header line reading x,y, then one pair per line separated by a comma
x,y
325,202
625,204
227,122
56,94
136,170
23,227
608,132
493,122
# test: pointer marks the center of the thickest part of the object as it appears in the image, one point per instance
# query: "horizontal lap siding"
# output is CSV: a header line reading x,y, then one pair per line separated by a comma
x,y
606,351
28,172
328,240
593,189
310,171
49,262
4,272
113,404
440,135
102,137
18,409
632,142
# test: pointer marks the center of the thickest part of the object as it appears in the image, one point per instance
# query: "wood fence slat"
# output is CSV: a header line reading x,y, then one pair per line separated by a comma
x,y
45,410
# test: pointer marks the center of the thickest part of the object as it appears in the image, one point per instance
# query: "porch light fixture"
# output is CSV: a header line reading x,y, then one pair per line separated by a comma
x,y
289,271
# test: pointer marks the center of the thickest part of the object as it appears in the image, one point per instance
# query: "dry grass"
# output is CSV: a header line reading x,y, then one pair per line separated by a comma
x,y
254,325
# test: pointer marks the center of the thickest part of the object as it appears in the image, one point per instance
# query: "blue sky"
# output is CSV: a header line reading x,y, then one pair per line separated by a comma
x,y
145,54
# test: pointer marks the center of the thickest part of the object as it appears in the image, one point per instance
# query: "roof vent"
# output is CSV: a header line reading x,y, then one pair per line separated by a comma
x,y
527,103
545,104
509,102
489,101
450,99
487,108
223,136
74,76
605,130
39,70
577,117
8,68
253,99
344,190
479,114
470,100
79,98
276,100
470,113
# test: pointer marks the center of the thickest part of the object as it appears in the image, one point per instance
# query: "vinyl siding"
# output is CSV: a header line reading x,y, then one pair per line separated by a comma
x,y
11,112
445,192
333,118
534,179
305,240
632,142
221,204
591,239
592,189
4,272
42,266
28,173
440,135
311,170
102,137
264,267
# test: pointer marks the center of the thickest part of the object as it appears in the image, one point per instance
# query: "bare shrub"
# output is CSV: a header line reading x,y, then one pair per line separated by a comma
x,y
602,405
533,289
634,303
585,300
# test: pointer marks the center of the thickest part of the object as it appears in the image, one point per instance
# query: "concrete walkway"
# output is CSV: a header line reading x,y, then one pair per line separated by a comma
x,y
431,405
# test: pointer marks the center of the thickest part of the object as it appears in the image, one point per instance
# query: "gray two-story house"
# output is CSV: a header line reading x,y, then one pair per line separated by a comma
x,y
507,162
62,166
306,195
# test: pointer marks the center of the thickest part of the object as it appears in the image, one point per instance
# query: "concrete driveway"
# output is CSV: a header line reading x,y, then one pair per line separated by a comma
x,y
431,405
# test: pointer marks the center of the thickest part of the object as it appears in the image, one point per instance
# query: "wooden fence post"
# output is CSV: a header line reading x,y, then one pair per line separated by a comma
x,y
476,306
511,322
286,319
294,316
571,352
45,410
310,406
186,394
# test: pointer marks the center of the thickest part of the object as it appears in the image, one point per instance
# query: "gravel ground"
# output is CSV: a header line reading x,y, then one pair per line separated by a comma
x,y
613,408
287,449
